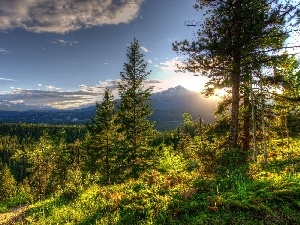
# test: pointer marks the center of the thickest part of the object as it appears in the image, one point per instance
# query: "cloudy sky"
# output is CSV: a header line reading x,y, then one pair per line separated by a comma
x,y
62,53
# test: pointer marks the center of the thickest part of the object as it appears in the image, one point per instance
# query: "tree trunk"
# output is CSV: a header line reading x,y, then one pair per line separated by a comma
x,y
234,122
107,162
235,77
253,113
263,123
246,140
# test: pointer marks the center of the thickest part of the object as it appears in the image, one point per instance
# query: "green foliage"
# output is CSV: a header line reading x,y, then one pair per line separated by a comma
x,y
229,160
189,125
104,138
30,133
46,163
42,163
238,42
135,129
170,161
73,184
8,185
15,195
170,193
24,195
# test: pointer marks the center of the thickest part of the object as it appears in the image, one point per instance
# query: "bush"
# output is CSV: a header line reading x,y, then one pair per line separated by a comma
x,y
8,184
230,160
74,183
170,161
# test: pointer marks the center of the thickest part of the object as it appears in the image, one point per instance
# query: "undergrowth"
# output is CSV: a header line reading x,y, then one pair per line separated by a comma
x,y
171,193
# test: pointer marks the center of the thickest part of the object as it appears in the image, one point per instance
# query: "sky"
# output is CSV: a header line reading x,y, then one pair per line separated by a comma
x,y
62,53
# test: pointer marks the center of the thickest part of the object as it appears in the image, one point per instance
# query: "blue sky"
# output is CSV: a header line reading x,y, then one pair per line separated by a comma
x,y
61,53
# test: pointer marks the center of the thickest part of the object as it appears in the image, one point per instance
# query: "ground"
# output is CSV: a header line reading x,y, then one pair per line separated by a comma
x,y
15,214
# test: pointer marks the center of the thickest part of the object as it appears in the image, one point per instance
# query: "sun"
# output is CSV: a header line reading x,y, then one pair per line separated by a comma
x,y
192,86
193,83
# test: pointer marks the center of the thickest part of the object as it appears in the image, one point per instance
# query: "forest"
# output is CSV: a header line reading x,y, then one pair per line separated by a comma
x,y
118,169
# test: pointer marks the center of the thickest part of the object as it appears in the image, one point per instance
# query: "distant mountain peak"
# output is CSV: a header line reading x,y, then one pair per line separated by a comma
x,y
179,87
174,90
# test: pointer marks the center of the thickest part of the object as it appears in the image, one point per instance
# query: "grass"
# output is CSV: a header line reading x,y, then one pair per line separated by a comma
x,y
171,194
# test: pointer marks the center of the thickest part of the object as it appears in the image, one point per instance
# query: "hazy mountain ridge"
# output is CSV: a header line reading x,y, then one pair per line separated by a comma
x,y
168,108
5,105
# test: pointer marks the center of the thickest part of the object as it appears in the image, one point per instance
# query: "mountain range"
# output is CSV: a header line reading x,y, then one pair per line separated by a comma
x,y
168,107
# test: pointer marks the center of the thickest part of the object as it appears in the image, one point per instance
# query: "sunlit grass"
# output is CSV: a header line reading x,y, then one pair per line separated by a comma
x,y
169,194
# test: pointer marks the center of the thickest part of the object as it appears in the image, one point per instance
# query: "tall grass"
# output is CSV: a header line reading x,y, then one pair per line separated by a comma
x,y
170,193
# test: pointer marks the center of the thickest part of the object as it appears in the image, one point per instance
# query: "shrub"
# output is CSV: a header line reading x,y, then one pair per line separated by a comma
x,y
8,184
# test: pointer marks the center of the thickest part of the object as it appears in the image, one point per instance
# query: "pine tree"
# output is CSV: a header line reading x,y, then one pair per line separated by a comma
x,y
8,184
134,109
104,134
237,37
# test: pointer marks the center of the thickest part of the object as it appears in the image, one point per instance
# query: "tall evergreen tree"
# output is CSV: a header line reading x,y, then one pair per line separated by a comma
x,y
236,37
134,108
104,134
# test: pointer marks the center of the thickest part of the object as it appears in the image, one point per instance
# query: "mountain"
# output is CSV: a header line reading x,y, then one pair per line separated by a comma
x,y
8,106
168,108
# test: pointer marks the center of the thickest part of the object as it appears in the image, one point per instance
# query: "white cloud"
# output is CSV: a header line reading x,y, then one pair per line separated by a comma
x,y
52,88
17,101
64,42
170,65
144,49
6,79
62,16
57,98
3,51
50,97
152,81
82,87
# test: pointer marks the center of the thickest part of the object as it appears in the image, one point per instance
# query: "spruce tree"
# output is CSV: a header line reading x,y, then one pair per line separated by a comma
x,y
104,133
134,109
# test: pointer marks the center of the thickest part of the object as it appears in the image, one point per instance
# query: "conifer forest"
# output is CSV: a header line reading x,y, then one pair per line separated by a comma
x,y
244,168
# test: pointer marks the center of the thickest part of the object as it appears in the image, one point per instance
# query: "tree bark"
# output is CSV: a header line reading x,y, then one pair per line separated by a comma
x,y
235,76
246,139
253,114
107,161
263,124
234,122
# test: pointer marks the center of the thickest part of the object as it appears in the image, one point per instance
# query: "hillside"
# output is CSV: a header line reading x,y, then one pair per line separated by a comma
x,y
168,108
173,193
